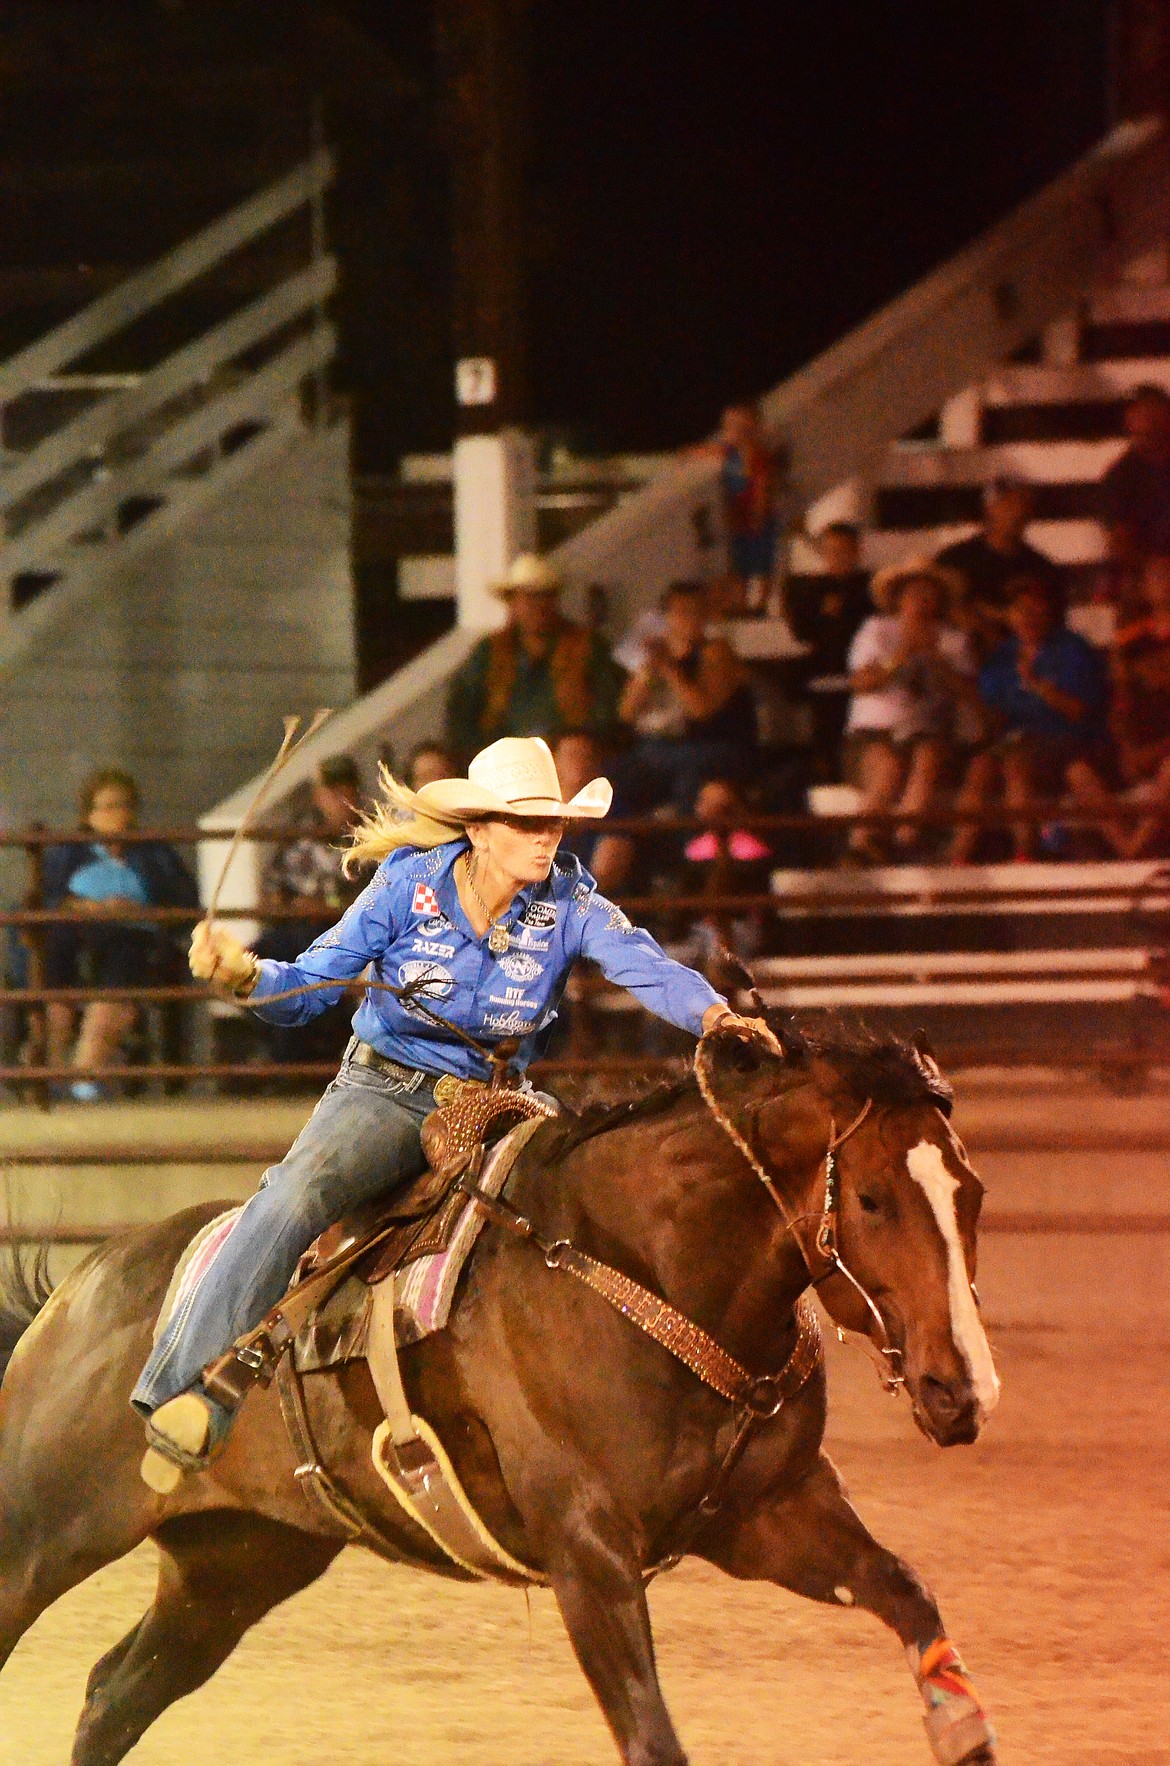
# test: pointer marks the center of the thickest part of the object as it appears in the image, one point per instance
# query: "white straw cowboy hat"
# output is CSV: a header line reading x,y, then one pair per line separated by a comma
x,y
888,581
529,574
516,776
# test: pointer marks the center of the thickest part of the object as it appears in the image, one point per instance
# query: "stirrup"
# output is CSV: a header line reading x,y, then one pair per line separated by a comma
x,y
183,1437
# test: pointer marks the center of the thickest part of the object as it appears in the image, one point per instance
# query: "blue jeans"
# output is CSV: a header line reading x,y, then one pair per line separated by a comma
x,y
666,769
361,1140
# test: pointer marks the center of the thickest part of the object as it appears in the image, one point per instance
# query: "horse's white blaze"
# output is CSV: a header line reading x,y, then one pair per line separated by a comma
x,y
927,1167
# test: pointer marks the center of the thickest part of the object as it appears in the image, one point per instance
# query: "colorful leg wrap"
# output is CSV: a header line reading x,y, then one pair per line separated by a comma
x,y
956,1723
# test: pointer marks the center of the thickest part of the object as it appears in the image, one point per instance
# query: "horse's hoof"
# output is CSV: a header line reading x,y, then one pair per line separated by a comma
x,y
960,1740
159,1474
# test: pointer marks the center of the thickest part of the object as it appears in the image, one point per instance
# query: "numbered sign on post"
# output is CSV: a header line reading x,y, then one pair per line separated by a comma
x,y
475,380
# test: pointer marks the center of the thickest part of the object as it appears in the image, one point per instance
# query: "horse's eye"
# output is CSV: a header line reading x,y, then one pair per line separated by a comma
x,y
869,1204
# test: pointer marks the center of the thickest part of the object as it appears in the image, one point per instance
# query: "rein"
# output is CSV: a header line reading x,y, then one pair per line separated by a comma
x,y
761,1395
826,1241
410,995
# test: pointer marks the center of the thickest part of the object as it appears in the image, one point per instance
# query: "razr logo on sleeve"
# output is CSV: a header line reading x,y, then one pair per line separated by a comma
x,y
425,900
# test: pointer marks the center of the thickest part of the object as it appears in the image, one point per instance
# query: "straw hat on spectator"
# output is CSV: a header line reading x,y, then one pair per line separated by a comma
x,y
516,776
529,575
887,582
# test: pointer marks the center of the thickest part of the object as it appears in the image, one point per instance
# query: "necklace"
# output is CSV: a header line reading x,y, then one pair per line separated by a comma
x,y
498,938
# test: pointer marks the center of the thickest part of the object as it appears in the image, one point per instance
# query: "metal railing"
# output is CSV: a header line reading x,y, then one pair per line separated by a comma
x,y
146,445
1140,891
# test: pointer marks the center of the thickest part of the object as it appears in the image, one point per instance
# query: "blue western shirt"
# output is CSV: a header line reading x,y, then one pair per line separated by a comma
x,y
408,926
1066,661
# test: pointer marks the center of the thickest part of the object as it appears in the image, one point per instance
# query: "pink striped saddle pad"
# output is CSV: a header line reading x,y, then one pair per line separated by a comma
x,y
425,1280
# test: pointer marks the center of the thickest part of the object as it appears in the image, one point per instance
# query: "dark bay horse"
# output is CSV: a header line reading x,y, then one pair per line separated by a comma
x,y
584,1445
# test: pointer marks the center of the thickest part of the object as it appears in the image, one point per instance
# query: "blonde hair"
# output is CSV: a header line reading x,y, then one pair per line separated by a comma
x,y
395,822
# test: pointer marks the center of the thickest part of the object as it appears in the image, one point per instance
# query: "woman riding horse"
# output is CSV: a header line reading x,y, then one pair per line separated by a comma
x,y
470,907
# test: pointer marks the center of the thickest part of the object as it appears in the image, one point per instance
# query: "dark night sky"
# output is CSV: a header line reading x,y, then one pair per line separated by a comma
x,y
719,188
722,187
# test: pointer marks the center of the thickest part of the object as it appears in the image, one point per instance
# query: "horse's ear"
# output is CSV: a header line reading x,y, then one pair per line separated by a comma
x,y
941,1091
788,1038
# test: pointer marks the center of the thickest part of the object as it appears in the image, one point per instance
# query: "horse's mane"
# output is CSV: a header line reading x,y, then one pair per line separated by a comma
x,y
599,1116
872,1063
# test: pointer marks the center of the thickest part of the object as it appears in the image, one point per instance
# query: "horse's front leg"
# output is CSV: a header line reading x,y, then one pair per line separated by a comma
x,y
599,1590
812,1541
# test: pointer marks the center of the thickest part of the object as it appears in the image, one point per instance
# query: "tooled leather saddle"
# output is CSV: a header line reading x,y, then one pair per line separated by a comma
x,y
320,1313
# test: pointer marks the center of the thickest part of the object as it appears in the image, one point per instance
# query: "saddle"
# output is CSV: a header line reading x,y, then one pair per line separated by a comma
x,y
368,1246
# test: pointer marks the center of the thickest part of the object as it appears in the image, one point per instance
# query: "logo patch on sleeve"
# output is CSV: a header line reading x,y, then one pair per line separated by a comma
x,y
425,901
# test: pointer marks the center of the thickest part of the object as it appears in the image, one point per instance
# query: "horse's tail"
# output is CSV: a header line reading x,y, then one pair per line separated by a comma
x,y
24,1289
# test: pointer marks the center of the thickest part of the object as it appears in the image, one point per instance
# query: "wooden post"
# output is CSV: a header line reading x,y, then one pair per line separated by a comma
x,y
480,63
480,60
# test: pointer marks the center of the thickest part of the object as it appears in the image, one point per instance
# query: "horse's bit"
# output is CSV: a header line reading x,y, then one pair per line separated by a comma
x,y
826,1240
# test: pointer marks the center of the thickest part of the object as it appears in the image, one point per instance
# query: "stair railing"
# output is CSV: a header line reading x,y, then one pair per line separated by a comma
x,y
138,447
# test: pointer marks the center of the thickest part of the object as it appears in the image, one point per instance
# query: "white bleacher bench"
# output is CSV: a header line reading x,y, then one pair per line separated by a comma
x,y
942,978
957,978
1068,972
903,890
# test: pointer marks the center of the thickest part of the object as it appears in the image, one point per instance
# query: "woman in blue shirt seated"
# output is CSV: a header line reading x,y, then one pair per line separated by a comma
x,y
472,905
90,876
1045,692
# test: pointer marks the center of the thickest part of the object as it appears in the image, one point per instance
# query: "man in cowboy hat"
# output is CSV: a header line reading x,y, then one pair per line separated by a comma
x,y
465,939
539,675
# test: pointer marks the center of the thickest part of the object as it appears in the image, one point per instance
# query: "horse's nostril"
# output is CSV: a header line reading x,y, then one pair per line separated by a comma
x,y
940,1400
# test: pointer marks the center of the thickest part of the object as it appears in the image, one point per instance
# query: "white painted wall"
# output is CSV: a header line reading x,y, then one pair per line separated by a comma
x,y
179,664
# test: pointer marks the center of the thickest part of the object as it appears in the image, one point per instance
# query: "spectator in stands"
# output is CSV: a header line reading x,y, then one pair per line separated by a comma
x,y
427,762
1141,711
97,875
992,558
909,672
725,859
308,876
747,481
1045,690
826,612
539,675
308,873
579,756
689,704
1135,493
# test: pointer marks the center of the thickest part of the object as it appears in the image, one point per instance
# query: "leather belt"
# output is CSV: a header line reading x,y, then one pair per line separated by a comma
x,y
446,1086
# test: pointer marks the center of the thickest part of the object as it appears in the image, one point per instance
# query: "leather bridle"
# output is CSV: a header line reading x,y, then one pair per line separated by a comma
x,y
826,1240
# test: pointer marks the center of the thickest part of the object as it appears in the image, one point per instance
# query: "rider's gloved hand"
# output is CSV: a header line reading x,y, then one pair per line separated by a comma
x,y
218,957
721,1017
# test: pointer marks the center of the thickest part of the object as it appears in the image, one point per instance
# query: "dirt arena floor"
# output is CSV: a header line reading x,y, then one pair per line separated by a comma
x,y
1048,1545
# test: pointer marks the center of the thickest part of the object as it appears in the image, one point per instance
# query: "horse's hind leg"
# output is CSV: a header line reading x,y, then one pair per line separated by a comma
x,y
812,1541
219,1573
